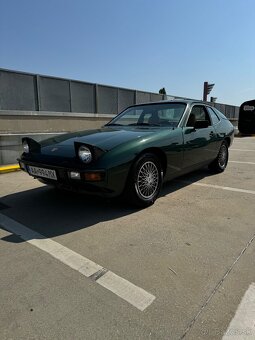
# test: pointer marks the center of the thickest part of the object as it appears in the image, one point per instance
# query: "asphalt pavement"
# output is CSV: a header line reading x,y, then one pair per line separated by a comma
x,y
79,267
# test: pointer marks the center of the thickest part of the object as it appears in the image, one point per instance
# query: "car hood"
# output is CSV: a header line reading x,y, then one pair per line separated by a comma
x,y
105,138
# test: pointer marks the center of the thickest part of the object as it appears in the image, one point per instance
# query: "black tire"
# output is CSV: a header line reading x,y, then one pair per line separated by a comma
x,y
221,161
144,181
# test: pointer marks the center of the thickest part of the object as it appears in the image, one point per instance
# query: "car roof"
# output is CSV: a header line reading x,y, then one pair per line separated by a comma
x,y
184,101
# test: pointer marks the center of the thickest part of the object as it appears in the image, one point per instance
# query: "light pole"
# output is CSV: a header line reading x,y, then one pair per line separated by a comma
x,y
207,89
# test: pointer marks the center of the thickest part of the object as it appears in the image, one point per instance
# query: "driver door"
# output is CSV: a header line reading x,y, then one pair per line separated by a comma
x,y
199,143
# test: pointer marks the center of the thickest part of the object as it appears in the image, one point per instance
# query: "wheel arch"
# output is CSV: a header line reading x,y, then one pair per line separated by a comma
x,y
158,153
227,140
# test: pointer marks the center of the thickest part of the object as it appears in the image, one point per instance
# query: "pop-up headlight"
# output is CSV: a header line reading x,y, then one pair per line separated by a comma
x,y
25,146
85,154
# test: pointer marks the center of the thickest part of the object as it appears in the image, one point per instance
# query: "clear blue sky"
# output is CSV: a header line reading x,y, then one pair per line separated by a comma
x,y
142,44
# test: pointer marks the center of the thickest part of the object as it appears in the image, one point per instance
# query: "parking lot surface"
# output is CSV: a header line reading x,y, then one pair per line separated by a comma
x,y
79,267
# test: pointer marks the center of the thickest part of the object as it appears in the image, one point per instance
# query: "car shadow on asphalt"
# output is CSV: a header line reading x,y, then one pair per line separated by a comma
x,y
185,180
52,213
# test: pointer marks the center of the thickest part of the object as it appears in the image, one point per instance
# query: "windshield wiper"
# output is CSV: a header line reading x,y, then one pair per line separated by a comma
x,y
113,124
143,124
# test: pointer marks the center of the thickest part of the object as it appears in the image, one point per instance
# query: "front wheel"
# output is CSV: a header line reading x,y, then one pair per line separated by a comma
x,y
144,182
221,161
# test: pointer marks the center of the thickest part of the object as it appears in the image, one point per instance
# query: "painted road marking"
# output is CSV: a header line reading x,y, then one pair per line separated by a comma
x,y
251,163
125,290
242,325
252,192
129,292
248,150
243,143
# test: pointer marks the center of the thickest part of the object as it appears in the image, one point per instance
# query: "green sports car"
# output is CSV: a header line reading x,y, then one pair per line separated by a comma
x,y
135,152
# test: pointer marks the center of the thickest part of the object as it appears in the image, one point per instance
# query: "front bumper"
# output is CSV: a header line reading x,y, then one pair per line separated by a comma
x,y
64,181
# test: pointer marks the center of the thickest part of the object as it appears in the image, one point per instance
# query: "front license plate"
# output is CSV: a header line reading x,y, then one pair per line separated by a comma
x,y
42,172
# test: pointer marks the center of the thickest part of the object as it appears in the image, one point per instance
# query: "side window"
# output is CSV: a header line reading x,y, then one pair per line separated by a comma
x,y
198,112
215,119
220,114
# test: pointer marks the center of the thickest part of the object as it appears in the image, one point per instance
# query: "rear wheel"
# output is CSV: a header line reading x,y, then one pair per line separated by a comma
x,y
221,161
144,182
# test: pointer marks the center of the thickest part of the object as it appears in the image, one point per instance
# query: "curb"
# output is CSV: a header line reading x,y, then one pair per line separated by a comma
x,y
9,168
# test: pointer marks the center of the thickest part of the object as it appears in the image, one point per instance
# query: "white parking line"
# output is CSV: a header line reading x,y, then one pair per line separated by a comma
x,y
129,292
242,325
250,163
246,150
126,290
252,192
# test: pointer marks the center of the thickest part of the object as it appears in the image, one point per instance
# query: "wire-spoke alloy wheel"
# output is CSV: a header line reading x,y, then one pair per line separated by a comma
x,y
145,180
220,163
223,156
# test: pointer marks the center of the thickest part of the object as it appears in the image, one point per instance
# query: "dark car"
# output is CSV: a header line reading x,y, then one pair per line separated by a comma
x,y
246,121
135,152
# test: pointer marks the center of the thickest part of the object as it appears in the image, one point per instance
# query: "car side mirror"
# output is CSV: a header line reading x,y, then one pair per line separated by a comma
x,y
201,124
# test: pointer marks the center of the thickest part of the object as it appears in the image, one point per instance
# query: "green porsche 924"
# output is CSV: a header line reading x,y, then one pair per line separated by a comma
x,y
134,153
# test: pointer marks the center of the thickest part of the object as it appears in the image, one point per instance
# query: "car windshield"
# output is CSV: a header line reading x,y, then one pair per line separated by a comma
x,y
165,114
